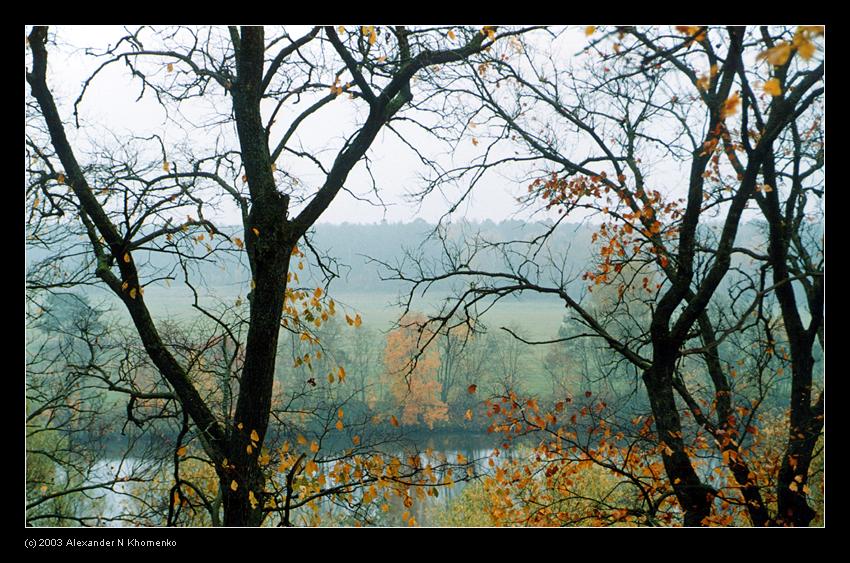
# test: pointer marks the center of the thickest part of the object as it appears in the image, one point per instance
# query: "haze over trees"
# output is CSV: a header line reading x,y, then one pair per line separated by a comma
x,y
669,200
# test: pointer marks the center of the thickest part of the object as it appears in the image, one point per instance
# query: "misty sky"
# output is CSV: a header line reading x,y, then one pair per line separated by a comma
x,y
110,104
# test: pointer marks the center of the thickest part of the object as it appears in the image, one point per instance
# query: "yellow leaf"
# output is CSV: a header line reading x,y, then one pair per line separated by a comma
x,y
249,449
252,499
468,415
234,485
772,87
238,242
357,320
256,231
330,378
240,426
314,447
311,467
126,258
451,35
133,293
60,178
181,451
373,37
166,166
339,425
778,55
339,413
813,29
590,30
170,67
806,49
254,436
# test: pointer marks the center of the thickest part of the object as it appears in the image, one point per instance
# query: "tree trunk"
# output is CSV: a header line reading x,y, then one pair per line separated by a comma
x,y
694,497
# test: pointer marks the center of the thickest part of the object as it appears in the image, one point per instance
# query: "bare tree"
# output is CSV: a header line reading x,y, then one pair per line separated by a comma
x,y
149,199
721,110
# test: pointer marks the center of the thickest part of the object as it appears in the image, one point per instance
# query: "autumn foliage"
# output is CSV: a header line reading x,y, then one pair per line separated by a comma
x,y
411,374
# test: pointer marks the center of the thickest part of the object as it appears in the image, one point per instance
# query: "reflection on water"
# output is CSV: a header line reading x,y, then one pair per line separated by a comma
x,y
476,450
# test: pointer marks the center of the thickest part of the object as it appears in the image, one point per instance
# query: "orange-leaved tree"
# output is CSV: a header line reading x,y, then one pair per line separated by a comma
x,y
411,374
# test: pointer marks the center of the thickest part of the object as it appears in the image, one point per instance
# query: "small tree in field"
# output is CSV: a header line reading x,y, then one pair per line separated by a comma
x,y
412,377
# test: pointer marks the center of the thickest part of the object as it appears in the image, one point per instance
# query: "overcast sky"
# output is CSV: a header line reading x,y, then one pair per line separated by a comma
x,y
111,103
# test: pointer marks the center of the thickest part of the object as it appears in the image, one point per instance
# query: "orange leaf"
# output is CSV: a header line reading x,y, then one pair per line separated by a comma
x,y
730,106
181,451
393,420
772,87
806,49
472,389
777,56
